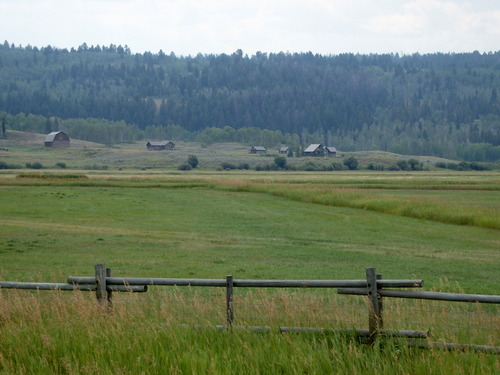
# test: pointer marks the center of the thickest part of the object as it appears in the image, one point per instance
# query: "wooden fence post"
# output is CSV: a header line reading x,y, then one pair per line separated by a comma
x,y
380,305
374,318
109,292
100,279
229,301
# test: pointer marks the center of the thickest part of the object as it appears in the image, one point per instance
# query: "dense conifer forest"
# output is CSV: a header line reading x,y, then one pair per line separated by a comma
x,y
435,104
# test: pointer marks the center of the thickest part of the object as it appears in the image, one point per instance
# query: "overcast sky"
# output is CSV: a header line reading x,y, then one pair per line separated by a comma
x,y
189,27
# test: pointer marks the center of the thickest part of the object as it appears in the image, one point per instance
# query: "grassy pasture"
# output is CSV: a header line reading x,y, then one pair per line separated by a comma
x,y
208,224
256,226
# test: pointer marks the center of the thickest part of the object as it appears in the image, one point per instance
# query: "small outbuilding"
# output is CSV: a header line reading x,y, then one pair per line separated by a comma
x,y
158,146
258,150
314,150
331,151
284,150
57,139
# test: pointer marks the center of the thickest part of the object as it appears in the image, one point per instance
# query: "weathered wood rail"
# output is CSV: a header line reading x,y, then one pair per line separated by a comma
x,y
70,287
374,287
248,283
432,296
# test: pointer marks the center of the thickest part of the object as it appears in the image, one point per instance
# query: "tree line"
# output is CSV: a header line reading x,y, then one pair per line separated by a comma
x,y
434,104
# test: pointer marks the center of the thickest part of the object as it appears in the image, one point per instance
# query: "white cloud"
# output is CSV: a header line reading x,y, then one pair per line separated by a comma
x,y
436,25
216,26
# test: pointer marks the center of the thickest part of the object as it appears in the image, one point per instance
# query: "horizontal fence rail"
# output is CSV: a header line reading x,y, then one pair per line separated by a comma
x,y
450,346
403,333
87,287
433,296
249,283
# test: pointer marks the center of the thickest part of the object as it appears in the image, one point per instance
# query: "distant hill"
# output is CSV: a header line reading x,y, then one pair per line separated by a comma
x,y
26,147
16,138
435,104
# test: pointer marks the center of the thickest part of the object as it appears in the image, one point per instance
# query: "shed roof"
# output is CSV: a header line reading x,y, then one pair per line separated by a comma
x,y
312,147
259,148
331,149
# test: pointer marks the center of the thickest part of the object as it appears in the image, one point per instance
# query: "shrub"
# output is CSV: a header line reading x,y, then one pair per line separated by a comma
x,y
35,165
478,167
61,165
376,167
96,167
402,164
280,162
184,167
310,166
351,163
4,165
244,166
266,167
227,166
415,165
192,161
462,166
336,166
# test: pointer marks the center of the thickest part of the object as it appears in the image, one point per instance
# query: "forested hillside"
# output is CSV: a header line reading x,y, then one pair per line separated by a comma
x,y
438,104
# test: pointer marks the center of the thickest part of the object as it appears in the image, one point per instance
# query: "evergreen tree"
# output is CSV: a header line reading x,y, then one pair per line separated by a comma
x,y
280,162
48,126
4,130
192,161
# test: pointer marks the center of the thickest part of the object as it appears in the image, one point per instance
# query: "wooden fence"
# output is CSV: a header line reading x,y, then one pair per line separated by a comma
x,y
374,287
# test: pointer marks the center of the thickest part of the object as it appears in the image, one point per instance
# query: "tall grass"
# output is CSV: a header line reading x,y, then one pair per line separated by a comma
x,y
420,205
371,195
372,192
57,333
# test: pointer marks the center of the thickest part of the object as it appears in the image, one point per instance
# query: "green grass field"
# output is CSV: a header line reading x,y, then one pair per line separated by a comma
x,y
440,227
253,226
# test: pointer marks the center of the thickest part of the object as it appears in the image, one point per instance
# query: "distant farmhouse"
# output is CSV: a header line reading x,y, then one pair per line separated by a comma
x,y
314,150
258,150
158,146
57,139
331,151
284,150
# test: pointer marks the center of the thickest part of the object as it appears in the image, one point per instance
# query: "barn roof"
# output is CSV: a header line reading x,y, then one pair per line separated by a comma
x,y
162,143
51,136
331,149
259,148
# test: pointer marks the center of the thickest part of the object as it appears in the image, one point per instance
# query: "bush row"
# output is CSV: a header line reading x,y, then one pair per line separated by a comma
x,y
463,166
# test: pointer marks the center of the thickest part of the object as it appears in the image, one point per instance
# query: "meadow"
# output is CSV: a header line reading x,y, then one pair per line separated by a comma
x,y
296,225
442,227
